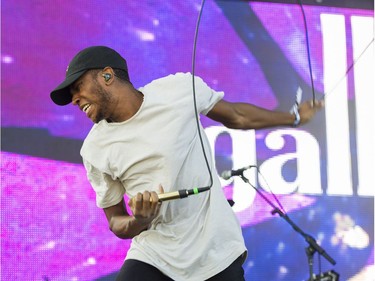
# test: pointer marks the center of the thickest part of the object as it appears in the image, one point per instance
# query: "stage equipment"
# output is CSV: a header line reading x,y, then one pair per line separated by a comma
x,y
326,276
312,247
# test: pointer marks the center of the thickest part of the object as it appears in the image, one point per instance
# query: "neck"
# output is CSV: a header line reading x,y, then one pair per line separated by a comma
x,y
127,105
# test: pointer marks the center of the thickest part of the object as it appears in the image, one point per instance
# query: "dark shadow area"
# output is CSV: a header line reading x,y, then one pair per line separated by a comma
x,y
40,143
353,4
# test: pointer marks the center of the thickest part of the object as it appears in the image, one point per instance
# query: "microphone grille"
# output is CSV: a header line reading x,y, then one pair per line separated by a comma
x,y
226,175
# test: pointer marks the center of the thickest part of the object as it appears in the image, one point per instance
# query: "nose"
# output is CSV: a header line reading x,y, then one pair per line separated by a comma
x,y
75,99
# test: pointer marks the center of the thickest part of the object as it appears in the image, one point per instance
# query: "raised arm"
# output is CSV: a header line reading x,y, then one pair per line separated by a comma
x,y
248,116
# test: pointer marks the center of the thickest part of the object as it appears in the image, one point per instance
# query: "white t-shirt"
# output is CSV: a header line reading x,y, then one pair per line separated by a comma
x,y
192,238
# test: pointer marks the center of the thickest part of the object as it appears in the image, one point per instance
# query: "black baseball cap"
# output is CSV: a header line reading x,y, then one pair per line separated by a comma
x,y
90,58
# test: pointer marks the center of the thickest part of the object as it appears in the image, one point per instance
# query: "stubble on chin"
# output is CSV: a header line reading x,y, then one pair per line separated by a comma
x,y
104,103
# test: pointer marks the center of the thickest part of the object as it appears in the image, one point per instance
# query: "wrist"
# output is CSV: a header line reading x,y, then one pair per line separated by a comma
x,y
297,117
141,221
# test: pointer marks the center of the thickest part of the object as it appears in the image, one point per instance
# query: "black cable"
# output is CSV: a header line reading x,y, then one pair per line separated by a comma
x,y
183,193
194,97
201,189
308,49
309,56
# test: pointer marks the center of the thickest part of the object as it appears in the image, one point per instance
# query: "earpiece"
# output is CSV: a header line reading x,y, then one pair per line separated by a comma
x,y
107,77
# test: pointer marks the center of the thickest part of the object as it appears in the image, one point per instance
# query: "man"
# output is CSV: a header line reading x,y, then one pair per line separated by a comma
x,y
144,142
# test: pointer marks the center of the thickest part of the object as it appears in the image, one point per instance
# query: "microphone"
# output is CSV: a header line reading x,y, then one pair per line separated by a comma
x,y
231,173
182,193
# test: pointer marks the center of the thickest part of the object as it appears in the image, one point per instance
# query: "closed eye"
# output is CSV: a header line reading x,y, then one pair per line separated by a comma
x,y
76,87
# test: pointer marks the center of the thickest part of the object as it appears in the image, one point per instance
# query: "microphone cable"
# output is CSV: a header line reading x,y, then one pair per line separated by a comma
x,y
308,49
355,60
205,188
183,193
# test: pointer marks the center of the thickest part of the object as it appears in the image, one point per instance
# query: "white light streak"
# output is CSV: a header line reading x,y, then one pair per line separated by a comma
x,y
7,59
144,35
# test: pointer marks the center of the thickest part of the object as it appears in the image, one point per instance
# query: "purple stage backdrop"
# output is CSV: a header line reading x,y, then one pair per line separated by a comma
x,y
322,174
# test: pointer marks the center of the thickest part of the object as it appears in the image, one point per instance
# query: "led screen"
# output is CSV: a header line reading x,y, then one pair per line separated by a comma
x,y
321,174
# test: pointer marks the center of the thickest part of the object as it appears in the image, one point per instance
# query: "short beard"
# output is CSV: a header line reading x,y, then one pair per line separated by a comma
x,y
104,102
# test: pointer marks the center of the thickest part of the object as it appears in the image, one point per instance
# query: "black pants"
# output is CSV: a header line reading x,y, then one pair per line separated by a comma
x,y
134,270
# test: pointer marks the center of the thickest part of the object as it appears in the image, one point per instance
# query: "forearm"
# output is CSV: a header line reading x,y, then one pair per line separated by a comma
x,y
253,117
247,116
127,227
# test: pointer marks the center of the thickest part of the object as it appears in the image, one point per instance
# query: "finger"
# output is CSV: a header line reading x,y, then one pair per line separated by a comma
x,y
138,201
135,202
161,189
154,199
146,200
132,201
318,104
155,203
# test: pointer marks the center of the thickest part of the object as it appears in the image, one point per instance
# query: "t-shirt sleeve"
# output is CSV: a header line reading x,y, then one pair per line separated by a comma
x,y
108,191
206,97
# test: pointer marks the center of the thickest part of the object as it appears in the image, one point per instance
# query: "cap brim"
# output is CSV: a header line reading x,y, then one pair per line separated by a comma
x,y
61,95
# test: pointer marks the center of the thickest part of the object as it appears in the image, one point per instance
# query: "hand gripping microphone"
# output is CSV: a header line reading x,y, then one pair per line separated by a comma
x,y
231,173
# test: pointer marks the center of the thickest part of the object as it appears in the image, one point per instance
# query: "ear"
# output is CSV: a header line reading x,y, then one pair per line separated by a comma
x,y
108,75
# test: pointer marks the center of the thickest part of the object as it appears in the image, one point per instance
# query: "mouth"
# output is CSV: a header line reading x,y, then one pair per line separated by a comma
x,y
86,108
